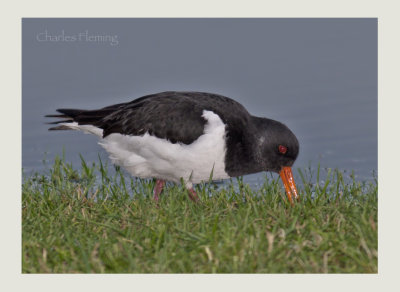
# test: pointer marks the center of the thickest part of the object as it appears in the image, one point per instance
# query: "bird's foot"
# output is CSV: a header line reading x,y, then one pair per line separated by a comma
x,y
192,195
158,189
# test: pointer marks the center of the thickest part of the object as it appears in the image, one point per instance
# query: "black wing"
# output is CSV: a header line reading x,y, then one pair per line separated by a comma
x,y
176,116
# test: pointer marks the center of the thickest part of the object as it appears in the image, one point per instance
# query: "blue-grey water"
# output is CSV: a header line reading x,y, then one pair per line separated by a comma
x,y
318,76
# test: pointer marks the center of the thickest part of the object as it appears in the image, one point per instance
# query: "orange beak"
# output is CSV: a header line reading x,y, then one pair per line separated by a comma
x,y
288,181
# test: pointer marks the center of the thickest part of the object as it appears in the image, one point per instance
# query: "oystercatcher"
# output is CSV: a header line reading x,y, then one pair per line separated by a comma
x,y
174,135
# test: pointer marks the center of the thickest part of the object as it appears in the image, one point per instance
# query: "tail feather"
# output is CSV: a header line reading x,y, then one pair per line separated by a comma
x,y
56,116
71,113
81,117
67,116
59,122
62,127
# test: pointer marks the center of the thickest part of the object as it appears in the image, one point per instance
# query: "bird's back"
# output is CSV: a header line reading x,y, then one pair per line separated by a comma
x,y
172,115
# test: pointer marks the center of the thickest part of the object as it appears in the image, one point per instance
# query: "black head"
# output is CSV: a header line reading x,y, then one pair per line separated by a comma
x,y
277,145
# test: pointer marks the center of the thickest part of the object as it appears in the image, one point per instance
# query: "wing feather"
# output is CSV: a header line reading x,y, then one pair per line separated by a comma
x,y
175,116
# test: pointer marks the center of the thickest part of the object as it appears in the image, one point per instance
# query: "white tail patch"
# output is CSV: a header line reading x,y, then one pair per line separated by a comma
x,y
87,129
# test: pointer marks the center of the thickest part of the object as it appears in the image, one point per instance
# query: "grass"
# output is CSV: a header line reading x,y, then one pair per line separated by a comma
x,y
75,223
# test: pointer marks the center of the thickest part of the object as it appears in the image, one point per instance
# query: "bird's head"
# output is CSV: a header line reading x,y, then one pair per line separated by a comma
x,y
278,150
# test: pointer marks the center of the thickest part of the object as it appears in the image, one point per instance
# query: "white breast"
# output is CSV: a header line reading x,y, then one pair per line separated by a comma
x,y
151,157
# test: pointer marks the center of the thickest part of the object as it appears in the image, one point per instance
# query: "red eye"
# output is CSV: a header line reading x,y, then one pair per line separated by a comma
x,y
282,149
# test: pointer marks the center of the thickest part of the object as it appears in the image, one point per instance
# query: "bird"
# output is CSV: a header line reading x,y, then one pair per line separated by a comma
x,y
189,137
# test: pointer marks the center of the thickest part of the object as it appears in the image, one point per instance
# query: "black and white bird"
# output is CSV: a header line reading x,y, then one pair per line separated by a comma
x,y
173,135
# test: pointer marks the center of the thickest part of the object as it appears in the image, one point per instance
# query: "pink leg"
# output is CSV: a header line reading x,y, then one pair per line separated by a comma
x,y
192,195
158,189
